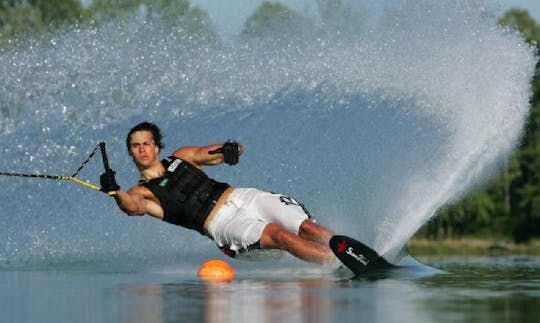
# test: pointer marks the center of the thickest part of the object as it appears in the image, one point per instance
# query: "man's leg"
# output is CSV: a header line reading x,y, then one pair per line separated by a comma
x,y
275,236
311,231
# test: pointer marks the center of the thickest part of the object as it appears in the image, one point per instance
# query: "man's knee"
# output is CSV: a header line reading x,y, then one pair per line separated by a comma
x,y
307,226
312,231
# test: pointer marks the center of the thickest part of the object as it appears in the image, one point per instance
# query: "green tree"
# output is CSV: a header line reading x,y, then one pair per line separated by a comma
x,y
59,13
179,14
521,21
18,19
525,188
461,219
274,20
106,10
510,204
336,15
22,18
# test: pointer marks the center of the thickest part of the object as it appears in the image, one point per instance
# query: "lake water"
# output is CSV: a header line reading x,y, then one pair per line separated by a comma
x,y
490,289
374,127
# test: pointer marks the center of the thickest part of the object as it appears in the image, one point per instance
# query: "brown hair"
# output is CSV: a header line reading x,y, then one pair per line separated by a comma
x,y
146,126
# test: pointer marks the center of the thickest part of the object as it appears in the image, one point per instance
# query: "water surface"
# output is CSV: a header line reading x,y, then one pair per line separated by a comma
x,y
501,289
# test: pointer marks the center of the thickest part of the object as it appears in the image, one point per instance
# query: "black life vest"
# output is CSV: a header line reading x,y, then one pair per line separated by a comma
x,y
186,194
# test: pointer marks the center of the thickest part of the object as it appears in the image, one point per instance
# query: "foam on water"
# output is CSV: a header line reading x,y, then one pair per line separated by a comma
x,y
374,131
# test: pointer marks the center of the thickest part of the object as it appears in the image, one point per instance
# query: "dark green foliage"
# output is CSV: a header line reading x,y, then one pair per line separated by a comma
x,y
22,18
56,13
510,206
275,20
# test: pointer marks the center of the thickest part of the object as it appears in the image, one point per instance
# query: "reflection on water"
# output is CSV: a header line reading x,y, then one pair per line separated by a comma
x,y
501,289
486,289
489,290
266,301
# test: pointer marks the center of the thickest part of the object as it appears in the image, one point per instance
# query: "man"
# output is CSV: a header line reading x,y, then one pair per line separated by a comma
x,y
239,220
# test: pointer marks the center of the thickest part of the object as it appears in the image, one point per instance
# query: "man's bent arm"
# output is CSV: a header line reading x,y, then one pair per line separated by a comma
x,y
200,156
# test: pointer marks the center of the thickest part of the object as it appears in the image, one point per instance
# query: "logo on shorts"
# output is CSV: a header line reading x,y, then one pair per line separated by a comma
x,y
290,201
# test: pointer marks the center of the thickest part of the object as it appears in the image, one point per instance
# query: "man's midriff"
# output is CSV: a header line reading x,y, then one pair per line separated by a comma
x,y
222,199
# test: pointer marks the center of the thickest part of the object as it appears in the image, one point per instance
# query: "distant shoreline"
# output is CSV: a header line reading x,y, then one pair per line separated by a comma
x,y
471,247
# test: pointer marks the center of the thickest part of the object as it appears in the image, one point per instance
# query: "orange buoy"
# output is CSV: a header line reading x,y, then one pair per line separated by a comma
x,y
216,270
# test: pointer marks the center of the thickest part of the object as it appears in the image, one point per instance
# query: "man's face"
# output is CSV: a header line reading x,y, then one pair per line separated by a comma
x,y
143,149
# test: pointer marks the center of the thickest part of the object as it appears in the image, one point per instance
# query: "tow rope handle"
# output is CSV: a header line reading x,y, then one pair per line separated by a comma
x,y
106,163
104,155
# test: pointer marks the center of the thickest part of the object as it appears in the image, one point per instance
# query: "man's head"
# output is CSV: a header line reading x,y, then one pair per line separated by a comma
x,y
144,143
146,126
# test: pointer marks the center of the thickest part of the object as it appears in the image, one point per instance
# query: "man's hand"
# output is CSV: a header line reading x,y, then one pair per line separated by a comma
x,y
230,151
108,182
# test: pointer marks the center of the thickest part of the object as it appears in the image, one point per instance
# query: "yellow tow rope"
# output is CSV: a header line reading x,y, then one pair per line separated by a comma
x,y
72,177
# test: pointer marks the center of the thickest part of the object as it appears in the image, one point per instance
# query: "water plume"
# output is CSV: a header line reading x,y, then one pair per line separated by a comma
x,y
374,130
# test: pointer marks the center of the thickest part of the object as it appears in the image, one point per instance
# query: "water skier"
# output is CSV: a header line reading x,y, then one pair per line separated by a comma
x,y
239,220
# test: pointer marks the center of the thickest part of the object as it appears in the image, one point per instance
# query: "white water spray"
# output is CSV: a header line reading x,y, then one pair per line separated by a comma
x,y
373,131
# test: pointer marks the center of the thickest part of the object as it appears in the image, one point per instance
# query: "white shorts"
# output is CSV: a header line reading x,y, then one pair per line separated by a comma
x,y
239,223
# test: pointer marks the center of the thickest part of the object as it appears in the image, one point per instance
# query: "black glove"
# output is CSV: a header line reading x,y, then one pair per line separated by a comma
x,y
108,182
230,151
